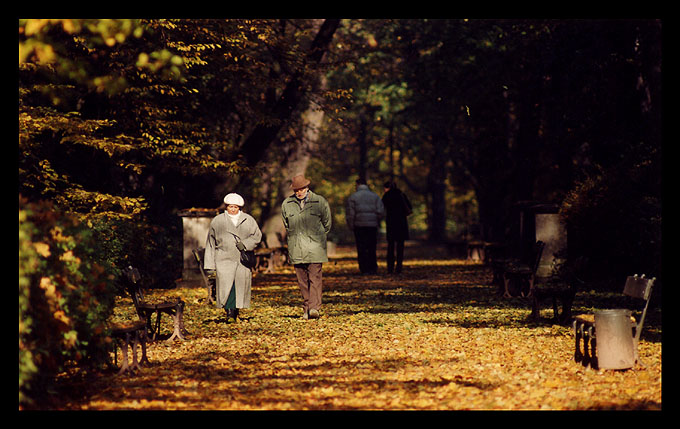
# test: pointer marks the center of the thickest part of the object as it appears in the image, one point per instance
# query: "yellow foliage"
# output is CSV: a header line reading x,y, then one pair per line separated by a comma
x,y
434,338
43,249
61,317
47,285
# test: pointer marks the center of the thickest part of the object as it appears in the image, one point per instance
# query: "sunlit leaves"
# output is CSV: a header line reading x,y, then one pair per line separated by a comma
x,y
93,205
145,112
163,61
64,297
44,41
180,93
435,338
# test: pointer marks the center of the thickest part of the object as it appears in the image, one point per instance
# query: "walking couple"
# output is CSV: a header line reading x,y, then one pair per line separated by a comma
x,y
365,210
307,218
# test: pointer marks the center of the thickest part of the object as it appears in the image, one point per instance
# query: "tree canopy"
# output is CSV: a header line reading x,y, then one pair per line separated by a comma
x,y
123,118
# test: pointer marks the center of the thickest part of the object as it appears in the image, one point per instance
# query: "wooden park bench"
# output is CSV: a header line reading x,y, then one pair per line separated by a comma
x,y
475,250
209,278
145,310
564,292
585,326
268,258
519,271
561,286
495,256
131,334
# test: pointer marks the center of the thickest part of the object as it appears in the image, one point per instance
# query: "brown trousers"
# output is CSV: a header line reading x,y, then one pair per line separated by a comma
x,y
309,281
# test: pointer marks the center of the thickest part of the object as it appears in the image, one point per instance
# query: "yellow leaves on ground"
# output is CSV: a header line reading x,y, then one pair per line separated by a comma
x,y
435,338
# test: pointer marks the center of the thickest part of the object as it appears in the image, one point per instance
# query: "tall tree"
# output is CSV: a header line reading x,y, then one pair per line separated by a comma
x,y
121,119
256,143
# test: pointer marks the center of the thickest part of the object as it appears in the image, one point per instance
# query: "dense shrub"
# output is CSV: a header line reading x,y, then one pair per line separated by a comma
x,y
614,220
66,294
154,249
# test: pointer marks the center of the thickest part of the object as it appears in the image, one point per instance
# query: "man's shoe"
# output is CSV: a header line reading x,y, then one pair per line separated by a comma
x,y
313,313
305,315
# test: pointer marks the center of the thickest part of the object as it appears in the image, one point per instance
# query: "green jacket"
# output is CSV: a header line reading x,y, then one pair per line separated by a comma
x,y
307,228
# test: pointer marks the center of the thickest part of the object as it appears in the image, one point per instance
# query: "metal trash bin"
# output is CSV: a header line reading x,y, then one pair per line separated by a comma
x,y
614,337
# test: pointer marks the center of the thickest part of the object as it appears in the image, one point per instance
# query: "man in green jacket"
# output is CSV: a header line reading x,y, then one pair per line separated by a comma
x,y
307,218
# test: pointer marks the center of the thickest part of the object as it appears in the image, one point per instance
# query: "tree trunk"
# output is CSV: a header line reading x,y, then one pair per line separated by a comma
x,y
295,163
363,140
648,57
526,154
436,186
255,146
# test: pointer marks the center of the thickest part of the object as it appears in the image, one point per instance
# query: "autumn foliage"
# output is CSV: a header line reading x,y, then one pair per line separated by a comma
x,y
123,124
436,337
65,297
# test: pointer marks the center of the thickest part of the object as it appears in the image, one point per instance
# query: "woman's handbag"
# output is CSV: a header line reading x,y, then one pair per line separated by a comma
x,y
248,259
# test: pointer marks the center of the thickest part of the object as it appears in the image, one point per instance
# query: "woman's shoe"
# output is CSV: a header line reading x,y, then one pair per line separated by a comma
x,y
231,316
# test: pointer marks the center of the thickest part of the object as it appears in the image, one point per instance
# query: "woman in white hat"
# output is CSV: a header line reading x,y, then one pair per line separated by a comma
x,y
229,233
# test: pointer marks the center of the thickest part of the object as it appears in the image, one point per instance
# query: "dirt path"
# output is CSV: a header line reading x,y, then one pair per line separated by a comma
x,y
434,338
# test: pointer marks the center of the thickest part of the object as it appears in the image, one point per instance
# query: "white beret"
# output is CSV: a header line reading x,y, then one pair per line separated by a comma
x,y
234,199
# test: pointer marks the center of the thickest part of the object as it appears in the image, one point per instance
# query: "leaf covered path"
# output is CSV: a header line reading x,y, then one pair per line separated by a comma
x,y
436,337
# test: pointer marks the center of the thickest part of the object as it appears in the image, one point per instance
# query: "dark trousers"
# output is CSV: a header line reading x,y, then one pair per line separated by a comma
x,y
393,245
309,279
366,238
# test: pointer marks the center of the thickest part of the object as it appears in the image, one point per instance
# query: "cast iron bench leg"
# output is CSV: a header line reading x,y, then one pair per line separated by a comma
x,y
124,367
178,314
141,333
578,336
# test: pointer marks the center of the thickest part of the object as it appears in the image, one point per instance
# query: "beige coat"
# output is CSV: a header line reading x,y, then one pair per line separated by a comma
x,y
222,256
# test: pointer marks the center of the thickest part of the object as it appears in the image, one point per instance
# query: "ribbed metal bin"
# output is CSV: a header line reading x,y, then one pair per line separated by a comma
x,y
614,336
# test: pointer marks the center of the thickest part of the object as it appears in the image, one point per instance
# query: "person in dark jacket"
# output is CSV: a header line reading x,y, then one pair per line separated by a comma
x,y
364,212
397,209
